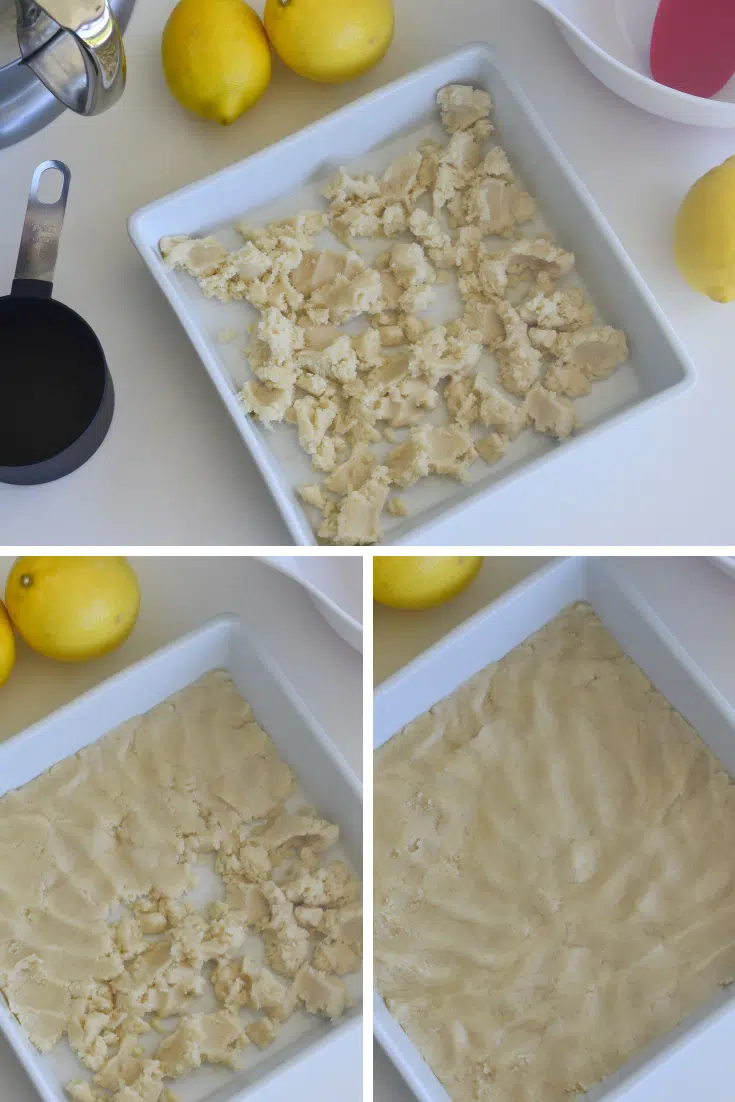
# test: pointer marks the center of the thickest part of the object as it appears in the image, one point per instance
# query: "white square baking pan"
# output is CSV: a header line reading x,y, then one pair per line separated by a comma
x,y
321,774
487,637
289,176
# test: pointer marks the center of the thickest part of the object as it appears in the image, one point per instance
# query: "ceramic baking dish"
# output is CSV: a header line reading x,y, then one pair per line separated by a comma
x,y
487,637
288,177
320,771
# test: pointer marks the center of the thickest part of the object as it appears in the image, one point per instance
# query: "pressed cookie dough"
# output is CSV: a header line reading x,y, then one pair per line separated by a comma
x,y
554,883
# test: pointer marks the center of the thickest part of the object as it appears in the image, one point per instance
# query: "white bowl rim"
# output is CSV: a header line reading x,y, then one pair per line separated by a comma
x,y
721,107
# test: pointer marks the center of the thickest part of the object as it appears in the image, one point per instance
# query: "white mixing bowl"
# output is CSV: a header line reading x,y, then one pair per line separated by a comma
x,y
612,38
334,584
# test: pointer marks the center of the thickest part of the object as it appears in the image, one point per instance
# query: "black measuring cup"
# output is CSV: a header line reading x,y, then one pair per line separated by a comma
x,y
56,393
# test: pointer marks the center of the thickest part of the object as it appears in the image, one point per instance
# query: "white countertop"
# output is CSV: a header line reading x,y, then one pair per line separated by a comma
x,y
178,595
400,636
696,601
174,471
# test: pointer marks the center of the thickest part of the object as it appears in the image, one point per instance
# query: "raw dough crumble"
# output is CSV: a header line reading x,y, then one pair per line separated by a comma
x,y
554,878
524,346
120,827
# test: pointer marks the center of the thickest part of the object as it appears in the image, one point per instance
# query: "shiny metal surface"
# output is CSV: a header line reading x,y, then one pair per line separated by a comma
x,y
39,242
72,46
83,64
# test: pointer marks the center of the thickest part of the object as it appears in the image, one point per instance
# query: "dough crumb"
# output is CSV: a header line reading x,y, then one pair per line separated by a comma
x,y
397,507
320,993
461,106
550,413
202,1038
492,447
263,1032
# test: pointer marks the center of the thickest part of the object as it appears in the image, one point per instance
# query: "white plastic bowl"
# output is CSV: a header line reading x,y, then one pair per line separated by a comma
x,y
612,38
334,585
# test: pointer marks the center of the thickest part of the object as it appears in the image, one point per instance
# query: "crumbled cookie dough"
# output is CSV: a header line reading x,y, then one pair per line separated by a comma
x,y
543,339
354,472
148,1087
246,900
337,957
563,309
550,413
313,417
462,106
536,256
462,401
232,982
409,401
428,231
521,364
357,520
596,352
262,1032
326,887
584,357
458,214
410,268
362,206
268,993
499,412
568,379
497,207
124,823
202,1038
411,460
268,404
286,943
201,256
124,1067
81,1090
320,992
248,859
451,451
397,507
344,924
309,917
492,447
392,336
483,318
243,983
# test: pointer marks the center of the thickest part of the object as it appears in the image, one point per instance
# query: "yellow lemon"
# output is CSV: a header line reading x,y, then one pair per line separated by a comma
x,y
73,607
422,581
330,40
7,645
216,57
704,234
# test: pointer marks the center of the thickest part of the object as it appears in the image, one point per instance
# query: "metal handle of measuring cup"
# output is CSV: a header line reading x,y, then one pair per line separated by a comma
x,y
75,48
39,242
